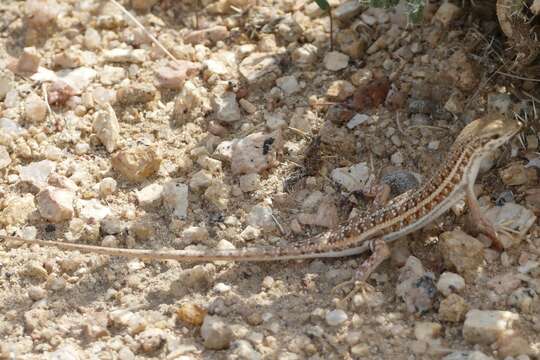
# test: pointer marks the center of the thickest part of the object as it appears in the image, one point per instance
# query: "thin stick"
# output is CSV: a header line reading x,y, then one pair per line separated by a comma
x,y
148,33
517,76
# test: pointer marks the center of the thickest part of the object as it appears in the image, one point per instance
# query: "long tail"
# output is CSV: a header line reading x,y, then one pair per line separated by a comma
x,y
304,251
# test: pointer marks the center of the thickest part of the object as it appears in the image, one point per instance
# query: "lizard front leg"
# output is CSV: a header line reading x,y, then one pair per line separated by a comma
x,y
479,220
379,252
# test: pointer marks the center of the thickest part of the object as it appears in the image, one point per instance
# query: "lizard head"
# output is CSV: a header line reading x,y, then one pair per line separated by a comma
x,y
490,131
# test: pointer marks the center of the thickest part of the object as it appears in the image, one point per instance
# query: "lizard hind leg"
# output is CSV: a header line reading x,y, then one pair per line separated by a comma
x,y
379,252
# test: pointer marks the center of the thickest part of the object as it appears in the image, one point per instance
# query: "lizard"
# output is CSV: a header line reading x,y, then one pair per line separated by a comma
x,y
371,230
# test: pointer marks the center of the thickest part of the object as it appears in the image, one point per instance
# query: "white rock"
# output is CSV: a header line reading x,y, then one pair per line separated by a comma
x,y
216,334
257,65
486,326
107,128
335,61
226,107
35,109
37,173
275,121
55,205
5,86
353,178
107,186
255,153
357,119
305,55
66,352
427,331
260,217
336,317
10,127
17,209
513,216
135,56
78,79
244,350
92,39
450,283
288,84
224,150
5,159
175,196
110,75
150,195
92,210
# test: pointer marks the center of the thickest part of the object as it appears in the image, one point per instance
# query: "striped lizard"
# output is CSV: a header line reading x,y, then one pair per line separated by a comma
x,y
402,215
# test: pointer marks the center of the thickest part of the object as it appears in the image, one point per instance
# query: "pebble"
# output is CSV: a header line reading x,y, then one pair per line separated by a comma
x,y
29,61
486,326
5,159
352,178
5,86
242,349
467,355
92,39
447,13
216,334
35,109
348,10
505,283
137,163
37,293
149,195
260,68
135,56
450,283
515,174
335,61
10,127
17,209
499,103
427,331
67,352
524,299
336,317
205,36
453,308
151,339
358,119
249,182
416,286
288,84
106,128
255,153
325,216
175,196
250,233
201,180
92,209
55,205
37,173
226,108
107,186
305,55
110,75
138,93
261,217
174,76
462,252
340,90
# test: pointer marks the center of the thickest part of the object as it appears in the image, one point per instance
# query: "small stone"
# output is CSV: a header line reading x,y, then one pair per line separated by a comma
x,y
513,347
138,163
340,90
107,186
486,326
226,107
29,61
17,209
175,196
467,355
447,13
397,158
462,70
110,75
524,299
66,352
336,317
92,210
55,205
151,339
255,153
107,128
504,284
191,313
143,5
174,76
275,121
362,77
243,350
450,283
195,234
352,178
37,173
305,55
360,350
134,94
201,180
249,182
150,195
35,109
37,293
348,10
260,68
5,159
335,61
427,330
453,308
462,252
5,86
249,107
135,56
216,334
513,216
499,103
261,217
416,286
92,39
288,84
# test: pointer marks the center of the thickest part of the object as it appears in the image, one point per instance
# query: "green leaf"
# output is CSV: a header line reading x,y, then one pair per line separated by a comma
x,y
323,4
